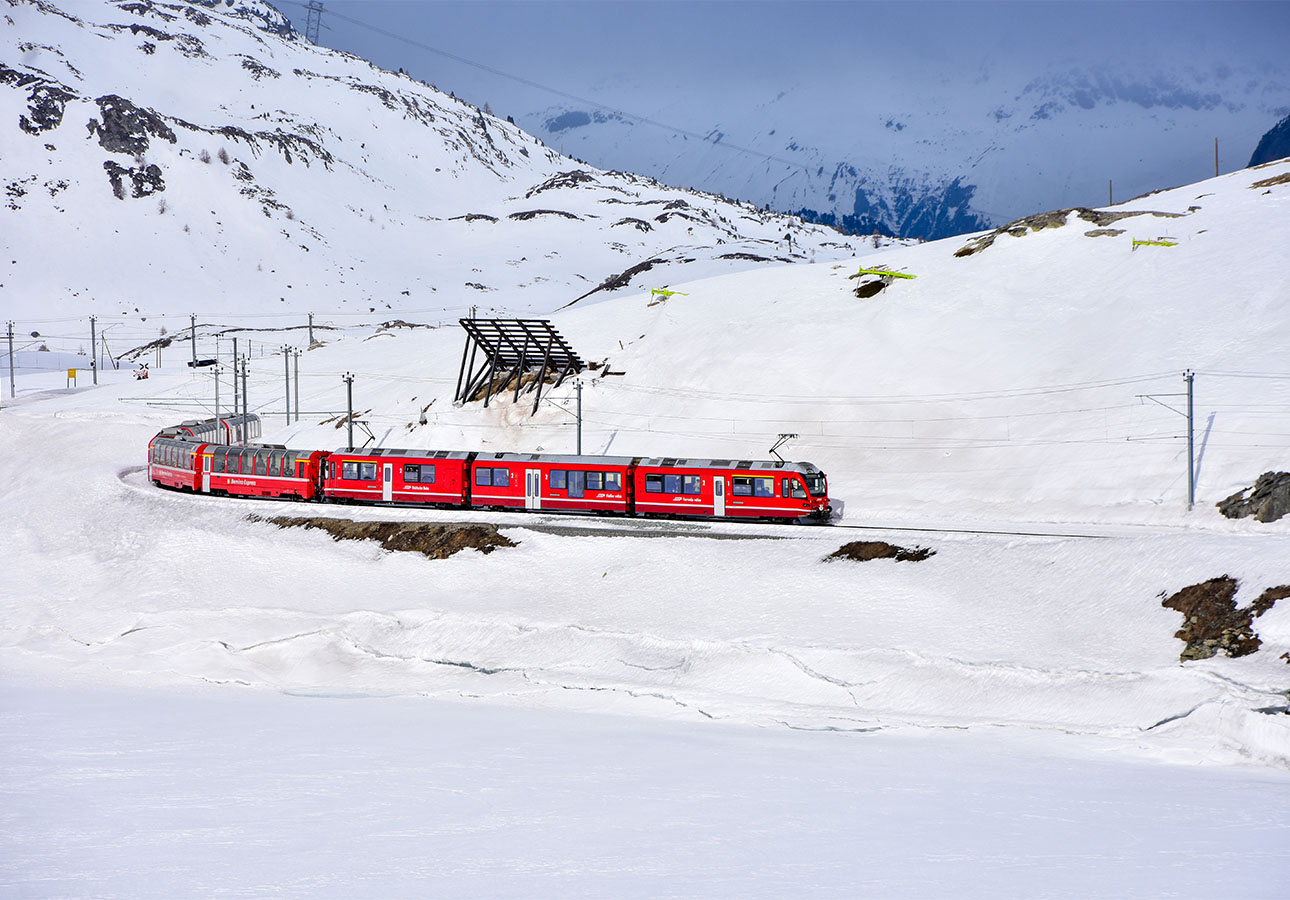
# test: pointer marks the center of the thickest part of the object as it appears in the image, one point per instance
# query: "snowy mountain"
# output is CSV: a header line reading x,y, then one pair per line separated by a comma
x,y
204,148
948,155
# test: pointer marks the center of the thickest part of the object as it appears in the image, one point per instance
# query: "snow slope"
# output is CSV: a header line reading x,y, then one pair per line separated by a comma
x,y
206,150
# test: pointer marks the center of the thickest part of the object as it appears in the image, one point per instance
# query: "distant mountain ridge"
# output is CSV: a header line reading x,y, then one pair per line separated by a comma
x,y
1273,145
965,156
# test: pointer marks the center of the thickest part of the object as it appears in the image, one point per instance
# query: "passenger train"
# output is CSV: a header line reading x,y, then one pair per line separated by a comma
x,y
211,457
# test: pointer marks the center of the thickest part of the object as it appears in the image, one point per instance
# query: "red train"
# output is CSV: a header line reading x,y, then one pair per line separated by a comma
x,y
623,485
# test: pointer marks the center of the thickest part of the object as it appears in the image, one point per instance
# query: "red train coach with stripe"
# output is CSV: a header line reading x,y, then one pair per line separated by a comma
x,y
439,477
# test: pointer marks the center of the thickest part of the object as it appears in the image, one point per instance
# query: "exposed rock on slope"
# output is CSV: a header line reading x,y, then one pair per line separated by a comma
x,y
1267,501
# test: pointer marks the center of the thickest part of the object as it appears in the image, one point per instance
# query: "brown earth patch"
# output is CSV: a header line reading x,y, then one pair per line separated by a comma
x,y
863,551
1268,182
1212,622
437,541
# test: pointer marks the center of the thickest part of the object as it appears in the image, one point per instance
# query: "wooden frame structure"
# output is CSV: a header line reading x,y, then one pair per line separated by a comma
x,y
510,348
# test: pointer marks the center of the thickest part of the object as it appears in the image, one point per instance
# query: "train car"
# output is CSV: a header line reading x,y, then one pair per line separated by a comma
x,y
261,470
173,463
558,483
438,477
224,430
725,488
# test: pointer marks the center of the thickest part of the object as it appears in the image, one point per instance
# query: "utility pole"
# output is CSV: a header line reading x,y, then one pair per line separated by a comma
x,y
12,393
216,373
1189,376
94,342
349,406
192,324
286,371
1215,157
579,418
246,406
1110,196
236,407
311,329
296,353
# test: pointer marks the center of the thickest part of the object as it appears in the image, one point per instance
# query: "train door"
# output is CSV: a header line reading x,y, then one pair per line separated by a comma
x,y
532,488
719,495
577,483
206,473
387,482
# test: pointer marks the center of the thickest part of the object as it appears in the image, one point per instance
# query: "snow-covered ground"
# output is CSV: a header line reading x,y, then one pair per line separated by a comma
x,y
736,717
197,703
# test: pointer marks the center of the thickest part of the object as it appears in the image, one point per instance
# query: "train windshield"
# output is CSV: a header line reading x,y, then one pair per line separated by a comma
x,y
815,484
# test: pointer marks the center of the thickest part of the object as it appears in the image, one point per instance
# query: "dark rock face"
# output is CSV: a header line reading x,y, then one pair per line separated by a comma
x,y
1273,145
45,105
1211,621
144,180
1267,501
125,127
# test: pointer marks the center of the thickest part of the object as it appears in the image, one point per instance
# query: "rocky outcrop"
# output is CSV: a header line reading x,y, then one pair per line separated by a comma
x,y
126,128
1267,501
1211,621
1273,145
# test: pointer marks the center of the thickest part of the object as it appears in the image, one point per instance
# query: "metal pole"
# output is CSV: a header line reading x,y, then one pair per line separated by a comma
x,y
236,404
1215,157
217,396
246,406
296,354
192,324
286,372
1189,376
580,418
94,342
311,329
12,393
349,406
1110,197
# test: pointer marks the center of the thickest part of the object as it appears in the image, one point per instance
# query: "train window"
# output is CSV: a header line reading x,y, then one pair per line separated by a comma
x,y
653,484
559,480
613,481
412,474
275,462
349,470
791,487
367,471
671,484
484,476
217,461
595,481
815,484
262,463
247,460
501,477
741,487
764,487
427,474
691,484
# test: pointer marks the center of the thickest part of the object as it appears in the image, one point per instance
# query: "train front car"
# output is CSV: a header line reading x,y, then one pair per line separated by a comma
x,y
725,488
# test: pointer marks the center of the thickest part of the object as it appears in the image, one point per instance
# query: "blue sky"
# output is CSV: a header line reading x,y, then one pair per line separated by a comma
x,y
613,51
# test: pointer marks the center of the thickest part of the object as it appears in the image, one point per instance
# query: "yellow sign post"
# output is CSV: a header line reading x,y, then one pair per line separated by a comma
x,y
71,378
